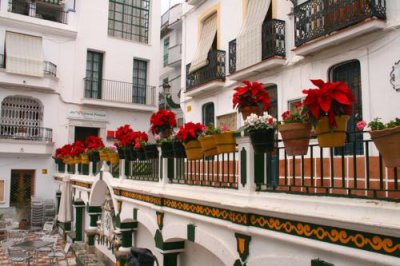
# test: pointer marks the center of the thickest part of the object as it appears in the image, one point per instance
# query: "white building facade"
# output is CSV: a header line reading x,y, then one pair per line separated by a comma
x,y
70,69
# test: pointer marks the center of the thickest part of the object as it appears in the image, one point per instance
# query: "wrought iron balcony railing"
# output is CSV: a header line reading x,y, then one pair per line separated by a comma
x,y
316,18
273,42
22,132
39,9
215,70
49,68
117,91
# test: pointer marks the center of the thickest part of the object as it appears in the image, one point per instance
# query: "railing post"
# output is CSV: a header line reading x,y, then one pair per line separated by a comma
x,y
91,168
76,169
246,165
122,174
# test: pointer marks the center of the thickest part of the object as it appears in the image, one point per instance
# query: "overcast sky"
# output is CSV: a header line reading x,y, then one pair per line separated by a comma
x,y
166,3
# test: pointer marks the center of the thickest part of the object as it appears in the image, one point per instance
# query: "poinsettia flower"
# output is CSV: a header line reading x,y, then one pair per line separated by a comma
x,y
252,94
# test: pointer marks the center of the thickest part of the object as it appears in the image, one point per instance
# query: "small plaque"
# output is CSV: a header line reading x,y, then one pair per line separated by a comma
x,y
44,171
188,108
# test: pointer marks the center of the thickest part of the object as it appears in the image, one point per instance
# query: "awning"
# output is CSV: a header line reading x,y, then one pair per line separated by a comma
x,y
65,210
24,54
249,40
207,35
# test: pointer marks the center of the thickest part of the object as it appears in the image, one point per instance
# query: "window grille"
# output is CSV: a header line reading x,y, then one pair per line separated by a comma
x,y
21,111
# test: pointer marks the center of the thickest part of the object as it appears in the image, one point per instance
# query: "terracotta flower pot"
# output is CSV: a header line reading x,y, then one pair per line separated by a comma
x,y
387,141
263,140
84,159
167,150
247,110
179,149
296,137
103,156
208,145
113,158
150,151
193,150
225,142
335,137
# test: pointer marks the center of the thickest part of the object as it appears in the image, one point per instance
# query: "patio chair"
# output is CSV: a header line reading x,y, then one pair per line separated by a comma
x,y
17,255
47,228
17,235
59,254
53,239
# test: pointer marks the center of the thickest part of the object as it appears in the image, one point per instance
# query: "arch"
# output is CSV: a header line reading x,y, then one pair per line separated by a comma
x,y
19,110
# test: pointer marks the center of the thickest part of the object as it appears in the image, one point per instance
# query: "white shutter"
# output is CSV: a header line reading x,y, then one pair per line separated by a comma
x,y
249,40
207,35
24,54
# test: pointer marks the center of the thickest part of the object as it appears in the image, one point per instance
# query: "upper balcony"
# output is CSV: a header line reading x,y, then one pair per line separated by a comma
x,y
175,55
207,78
52,10
320,24
118,94
20,81
26,140
273,51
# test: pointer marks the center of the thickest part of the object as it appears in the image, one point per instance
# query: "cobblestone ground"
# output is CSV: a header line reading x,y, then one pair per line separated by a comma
x,y
43,259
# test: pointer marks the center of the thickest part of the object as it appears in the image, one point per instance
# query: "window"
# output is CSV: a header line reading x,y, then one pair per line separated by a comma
x,y
273,94
81,133
350,73
21,111
129,19
139,81
208,114
166,47
94,69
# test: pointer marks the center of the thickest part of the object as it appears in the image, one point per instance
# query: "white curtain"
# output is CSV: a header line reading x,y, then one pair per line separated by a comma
x,y
207,35
249,40
24,54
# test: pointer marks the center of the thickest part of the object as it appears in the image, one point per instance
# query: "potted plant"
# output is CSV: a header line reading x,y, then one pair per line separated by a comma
x,y
66,154
162,123
387,140
77,149
261,130
225,140
252,98
93,144
178,149
188,134
125,136
58,159
207,141
140,139
295,130
329,108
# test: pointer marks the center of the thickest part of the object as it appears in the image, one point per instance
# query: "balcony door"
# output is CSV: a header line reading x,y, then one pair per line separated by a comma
x,y
94,69
350,73
139,83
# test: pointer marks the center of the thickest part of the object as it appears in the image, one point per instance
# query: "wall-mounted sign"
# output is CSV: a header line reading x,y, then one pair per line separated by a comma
x,y
44,171
188,108
395,76
87,115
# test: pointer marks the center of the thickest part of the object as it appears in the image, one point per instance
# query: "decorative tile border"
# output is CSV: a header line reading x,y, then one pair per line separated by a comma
x,y
81,184
382,244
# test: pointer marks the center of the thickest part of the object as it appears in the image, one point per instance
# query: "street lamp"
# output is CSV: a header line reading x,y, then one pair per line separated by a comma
x,y
166,88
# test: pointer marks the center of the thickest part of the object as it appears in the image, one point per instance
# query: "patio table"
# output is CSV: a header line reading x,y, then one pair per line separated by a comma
x,y
32,244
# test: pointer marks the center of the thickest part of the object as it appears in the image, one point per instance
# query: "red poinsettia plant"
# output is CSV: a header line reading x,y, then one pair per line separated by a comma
x,y
77,148
140,138
330,99
251,94
162,120
125,136
190,131
94,143
63,152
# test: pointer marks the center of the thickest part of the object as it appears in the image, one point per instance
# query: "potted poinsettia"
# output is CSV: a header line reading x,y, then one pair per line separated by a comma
x,y
58,159
252,98
329,108
207,141
77,149
125,136
225,140
140,140
65,154
162,122
261,130
386,137
93,144
295,130
189,134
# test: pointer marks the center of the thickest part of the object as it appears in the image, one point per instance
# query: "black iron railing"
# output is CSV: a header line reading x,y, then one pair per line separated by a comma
x,y
49,68
21,132
273,42
118,91
316,18
39,9
218,171
329,171
147,170
214,70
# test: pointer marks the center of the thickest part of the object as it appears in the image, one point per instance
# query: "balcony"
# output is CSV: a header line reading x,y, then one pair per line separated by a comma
x,y
46,83
25,140
319,24
175,55
119,95
273,51
208,78
51,10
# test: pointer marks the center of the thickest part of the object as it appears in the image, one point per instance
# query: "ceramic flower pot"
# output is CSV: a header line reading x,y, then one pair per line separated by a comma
x,y
131,154
208,145
84,159
141,156
113,158
67,160
263,140
103,156
121,152
167,150
335,137
179,149
296,137
225,142
150,151
248,110
387,141
193,150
